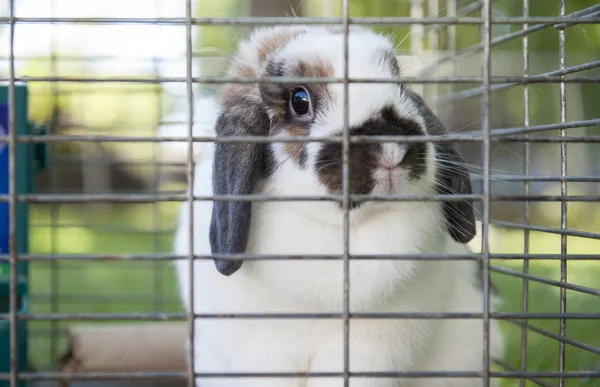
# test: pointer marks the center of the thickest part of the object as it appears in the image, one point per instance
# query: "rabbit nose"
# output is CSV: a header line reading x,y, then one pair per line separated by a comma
x,y
391,156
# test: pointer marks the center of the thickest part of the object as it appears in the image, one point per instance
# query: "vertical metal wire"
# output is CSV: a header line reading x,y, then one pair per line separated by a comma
x,y
156,215
486,74
434,40
451,33
451,48
526,113
54,208
190,178
563,192
346,198
12,198
433,7
417,32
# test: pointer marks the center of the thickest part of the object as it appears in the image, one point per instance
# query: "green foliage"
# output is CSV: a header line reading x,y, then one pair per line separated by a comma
x,y
542,351
97,286
222,38
580,37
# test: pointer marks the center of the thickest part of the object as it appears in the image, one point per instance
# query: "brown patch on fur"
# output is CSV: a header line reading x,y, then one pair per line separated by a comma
x,y
266,46
232,91
275,41
318,69
362,163
294,149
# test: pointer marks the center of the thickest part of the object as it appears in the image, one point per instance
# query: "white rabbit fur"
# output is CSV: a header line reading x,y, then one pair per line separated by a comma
x,y
311,286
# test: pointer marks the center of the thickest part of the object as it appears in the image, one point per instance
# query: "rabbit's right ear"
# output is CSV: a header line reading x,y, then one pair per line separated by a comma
x,y
236,169
452,177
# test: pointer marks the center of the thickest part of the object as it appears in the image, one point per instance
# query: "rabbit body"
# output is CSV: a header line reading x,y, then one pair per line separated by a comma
x,y
301,286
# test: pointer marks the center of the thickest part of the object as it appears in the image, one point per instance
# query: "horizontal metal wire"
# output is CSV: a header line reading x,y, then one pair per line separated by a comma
x,y
508,367
250,21
551,335
296,316
592,11
461,12
519,80
462,136
495,132
509,178
457,138
155,198
124,299
68,162
547,139
539,128
266,257
106,229
70,57
32,376
152,198
567,232
474,178
80,265
74,162
465,94
241,139
547,281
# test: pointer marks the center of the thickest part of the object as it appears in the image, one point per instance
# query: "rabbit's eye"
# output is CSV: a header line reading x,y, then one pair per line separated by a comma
x,y
300,102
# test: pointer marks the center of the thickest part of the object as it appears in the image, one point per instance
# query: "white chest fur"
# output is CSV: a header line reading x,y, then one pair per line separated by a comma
x,y
311,286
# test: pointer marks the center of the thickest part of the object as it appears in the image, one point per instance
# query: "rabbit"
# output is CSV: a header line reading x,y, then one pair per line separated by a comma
x,y
302,346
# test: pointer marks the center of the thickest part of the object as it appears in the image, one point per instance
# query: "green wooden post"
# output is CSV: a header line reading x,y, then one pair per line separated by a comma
x,y
27,157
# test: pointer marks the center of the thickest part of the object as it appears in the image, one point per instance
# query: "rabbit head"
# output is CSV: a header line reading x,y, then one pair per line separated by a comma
x,y
287,110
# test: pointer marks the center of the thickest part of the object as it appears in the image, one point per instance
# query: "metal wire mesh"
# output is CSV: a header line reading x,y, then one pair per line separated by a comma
x,y
433,26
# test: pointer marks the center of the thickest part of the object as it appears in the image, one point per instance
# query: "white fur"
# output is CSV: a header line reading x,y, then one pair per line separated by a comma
x,y
310,286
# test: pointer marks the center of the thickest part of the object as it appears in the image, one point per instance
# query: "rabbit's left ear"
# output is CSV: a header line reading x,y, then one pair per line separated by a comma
x,y
452,177
236,169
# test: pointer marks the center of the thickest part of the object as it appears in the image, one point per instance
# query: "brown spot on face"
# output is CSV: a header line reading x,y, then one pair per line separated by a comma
x,y
242,70
275,41
317,69
365,157
296,150
239,68
363,160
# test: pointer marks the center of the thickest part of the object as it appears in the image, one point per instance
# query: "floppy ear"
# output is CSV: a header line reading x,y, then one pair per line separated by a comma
x,y
452,177
236,169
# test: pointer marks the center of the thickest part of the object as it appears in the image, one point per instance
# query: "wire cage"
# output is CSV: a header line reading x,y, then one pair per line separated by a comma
x,y
123,87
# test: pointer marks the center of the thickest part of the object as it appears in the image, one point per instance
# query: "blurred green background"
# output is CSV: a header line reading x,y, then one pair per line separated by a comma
x,y
143,109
